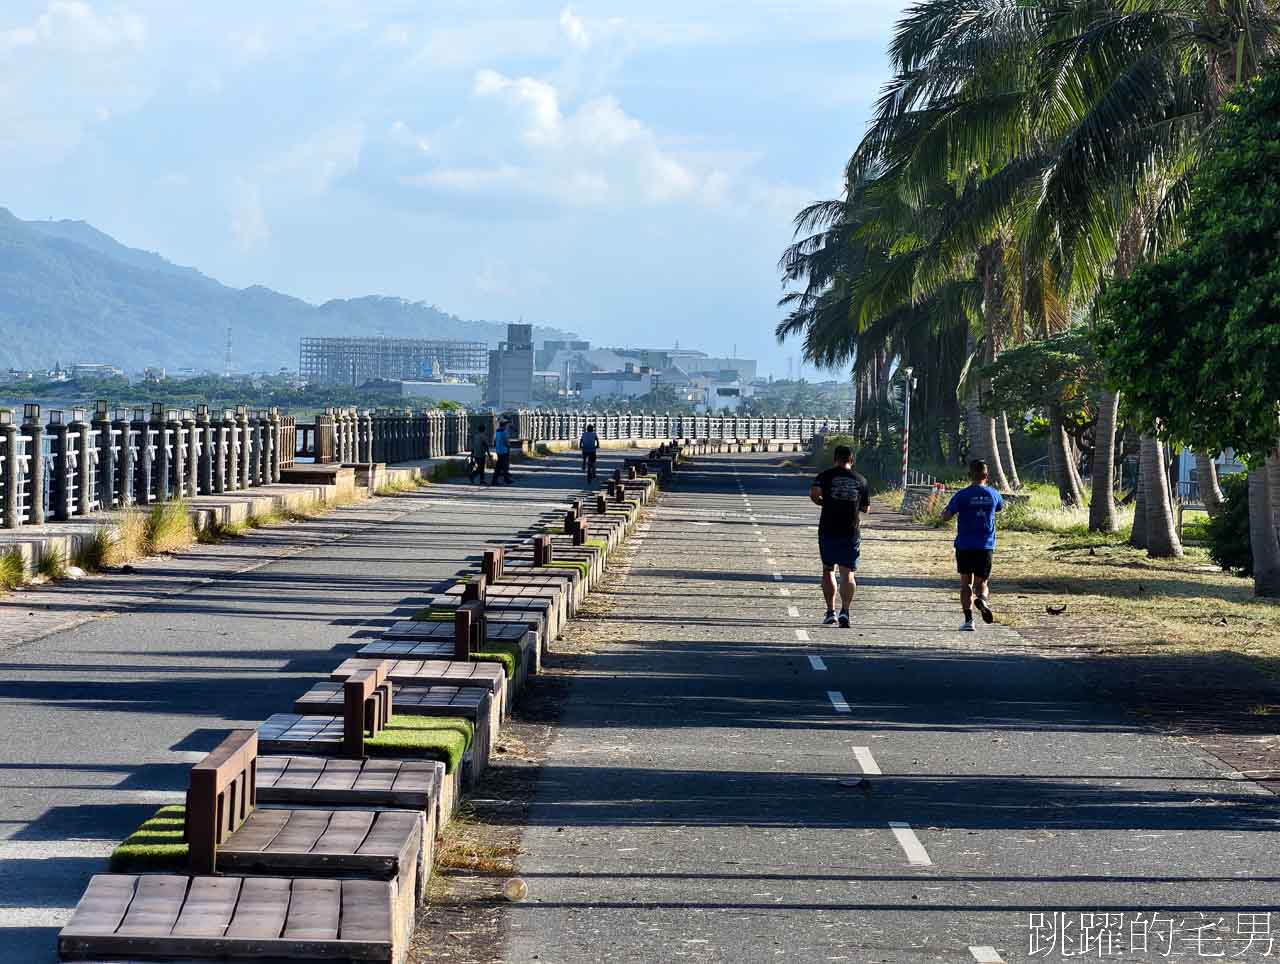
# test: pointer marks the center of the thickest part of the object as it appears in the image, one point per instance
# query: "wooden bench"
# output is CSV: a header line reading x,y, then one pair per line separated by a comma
x,y
546,596
471,703
497,571
182,918
437,639
366,706
442,672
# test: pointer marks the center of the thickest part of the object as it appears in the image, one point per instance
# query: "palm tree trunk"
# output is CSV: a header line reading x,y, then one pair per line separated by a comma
x,y
1207,477
1005,442
992,306
1073,467
1060,460
1262,529
1162,536
1102,507
1138,534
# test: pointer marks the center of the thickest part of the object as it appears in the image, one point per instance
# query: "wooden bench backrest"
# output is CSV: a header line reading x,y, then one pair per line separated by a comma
x,y
569,518
366,707
222,794
493,563
602,504
475,590
576,505
470,630
580,532
542,551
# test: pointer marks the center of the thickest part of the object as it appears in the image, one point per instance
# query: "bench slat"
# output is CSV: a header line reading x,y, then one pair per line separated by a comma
x,y
155,907
340,774
346,832
300,772
264,904
211,903
301,831
389,834
103,906
314,910
366,912
262,827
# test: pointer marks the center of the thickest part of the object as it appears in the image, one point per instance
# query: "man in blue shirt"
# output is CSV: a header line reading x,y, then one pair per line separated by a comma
x,y
974,508
502,448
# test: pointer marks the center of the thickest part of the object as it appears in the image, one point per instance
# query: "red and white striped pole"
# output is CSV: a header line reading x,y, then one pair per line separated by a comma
x,y
907,381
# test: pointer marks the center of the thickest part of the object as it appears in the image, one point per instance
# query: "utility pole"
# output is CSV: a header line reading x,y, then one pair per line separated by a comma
x,y
908,383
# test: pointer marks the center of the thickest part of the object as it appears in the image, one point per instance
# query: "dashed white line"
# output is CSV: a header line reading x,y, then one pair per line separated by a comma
x,y
986,955
917,856
793,611
818,664
784,592
772,562
777,577
802,635
838,701
866,761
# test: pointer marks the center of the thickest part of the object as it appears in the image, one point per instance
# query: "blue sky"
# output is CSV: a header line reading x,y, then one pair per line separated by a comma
x,y
628,170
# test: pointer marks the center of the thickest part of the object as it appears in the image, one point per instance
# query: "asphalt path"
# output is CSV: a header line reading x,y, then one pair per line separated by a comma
x,y
102,720
733,781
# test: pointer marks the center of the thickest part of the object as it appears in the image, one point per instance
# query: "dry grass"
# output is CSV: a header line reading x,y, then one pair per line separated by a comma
x,y
1118,600
468,845
52,564
93,553
396,485
130,541
13,571
169,527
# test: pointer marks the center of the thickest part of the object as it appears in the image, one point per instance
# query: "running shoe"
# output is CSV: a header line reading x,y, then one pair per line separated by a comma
x,y
967,626
844,619
983,608
830,618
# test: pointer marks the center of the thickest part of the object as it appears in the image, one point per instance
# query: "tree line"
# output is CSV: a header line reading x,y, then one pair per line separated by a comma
x,y
1065,211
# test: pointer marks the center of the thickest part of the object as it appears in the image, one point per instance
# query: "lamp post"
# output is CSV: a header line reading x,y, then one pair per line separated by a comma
x,y
908,383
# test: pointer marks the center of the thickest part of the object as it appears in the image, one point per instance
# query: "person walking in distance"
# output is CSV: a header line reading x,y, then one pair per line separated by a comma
x,y
502,448
974,508
844,497
479,454
590,445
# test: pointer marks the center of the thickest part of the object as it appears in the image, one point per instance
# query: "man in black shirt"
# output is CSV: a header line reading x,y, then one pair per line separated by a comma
x,y
844,496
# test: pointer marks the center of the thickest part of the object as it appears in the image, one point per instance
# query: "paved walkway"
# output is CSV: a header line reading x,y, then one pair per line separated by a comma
x,y
112,687
734,782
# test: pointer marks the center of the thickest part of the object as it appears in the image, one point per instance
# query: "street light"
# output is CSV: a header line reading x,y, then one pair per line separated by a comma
x,y
908,383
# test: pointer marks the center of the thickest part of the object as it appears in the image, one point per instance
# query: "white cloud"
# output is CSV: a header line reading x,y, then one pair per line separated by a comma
x,y
574,29
72,25
314,164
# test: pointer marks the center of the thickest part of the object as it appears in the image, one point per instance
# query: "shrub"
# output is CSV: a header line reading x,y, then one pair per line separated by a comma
x,y
1228,531
53,563
130,540
93,552
13,571
169,527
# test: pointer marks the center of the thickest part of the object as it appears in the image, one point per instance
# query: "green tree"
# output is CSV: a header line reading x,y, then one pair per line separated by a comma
x,y
1193,339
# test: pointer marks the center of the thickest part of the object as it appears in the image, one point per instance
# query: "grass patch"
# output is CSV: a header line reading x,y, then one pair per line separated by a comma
x,y
433,614
581,565
397,485
169,527
506,653
264,520
600,544
465,849
156,845
52,564
13,571
130,540
92,554
443,738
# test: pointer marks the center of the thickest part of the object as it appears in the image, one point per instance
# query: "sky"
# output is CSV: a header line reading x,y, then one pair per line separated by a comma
x,y
625,170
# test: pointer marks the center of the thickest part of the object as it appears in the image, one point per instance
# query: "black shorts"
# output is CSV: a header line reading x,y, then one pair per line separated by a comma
x,y
976,562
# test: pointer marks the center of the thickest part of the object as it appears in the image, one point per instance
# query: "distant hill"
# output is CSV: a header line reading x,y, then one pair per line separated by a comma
x,y
70,293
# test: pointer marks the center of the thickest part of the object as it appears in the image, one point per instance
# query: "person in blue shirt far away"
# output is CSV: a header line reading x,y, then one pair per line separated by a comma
x,y
502,448
974,508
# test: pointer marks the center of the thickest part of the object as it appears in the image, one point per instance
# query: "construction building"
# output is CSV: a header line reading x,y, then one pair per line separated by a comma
x,y
354,361
511,370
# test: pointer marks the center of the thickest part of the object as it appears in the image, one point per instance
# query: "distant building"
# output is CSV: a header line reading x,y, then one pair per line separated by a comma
x,y
511,370
354,361
465,393
720,397
153,375
696,363
633,381
552,346
95,370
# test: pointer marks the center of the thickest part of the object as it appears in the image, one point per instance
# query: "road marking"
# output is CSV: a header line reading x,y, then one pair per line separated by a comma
x,y
865,760
784,592
802,635
772,562
817,663
986,955
917,856
777,577
793,610
838,701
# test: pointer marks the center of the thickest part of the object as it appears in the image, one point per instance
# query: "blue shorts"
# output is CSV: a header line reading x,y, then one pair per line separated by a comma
x,y
839,551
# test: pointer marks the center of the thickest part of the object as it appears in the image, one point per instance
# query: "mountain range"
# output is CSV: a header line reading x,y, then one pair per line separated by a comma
x,y
72,294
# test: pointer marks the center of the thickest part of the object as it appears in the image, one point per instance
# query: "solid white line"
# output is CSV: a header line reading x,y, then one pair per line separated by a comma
x,y
777,577
784,592
838,701
793,611
917,856
986,955
802,635
817,663
865,760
